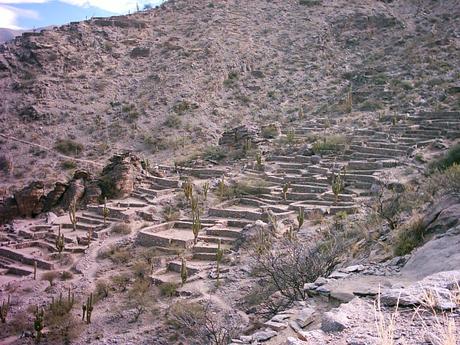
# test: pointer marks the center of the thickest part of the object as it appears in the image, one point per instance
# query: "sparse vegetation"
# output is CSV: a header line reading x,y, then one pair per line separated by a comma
x,y
450,158
168,289
121,229
329,144
69,147
409,237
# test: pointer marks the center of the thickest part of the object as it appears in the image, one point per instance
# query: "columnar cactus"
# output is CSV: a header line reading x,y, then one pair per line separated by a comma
x,y
206,190
35,270
196,226
183,271
88,309
349,100
337,184
188,190
4,310
259,164
90,235
222,187
59,243
286,187
73,216
301,217
219,257
39,323
105,211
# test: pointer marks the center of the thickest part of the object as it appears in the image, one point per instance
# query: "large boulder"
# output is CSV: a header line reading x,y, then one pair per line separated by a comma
x,y
441,252
29,200
120,175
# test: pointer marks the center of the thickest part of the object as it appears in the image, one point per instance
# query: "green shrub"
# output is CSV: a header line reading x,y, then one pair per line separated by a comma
x,y
215,153
310,2
116,254
370,105
332,143
68,147
69,165
231,79
269,132
168,289
450,157
173,121
447,181
245,187
409,237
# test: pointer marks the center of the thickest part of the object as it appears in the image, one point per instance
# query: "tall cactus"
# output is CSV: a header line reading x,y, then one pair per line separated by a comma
x,y
194,204
73,215
286,187
39,323
301,217
90,235
222,187
196,226
88,309
259,164
183,271
349,100
205,190
337,184
219,257
60,241
105,211
4,310
188,190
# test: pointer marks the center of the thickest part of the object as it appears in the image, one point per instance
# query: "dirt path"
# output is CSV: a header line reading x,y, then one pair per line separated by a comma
x,y
51,150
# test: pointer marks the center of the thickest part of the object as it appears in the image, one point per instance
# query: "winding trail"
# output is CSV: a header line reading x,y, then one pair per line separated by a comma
x,y
51,150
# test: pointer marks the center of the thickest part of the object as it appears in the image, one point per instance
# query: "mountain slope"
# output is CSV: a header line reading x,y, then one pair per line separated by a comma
x,y
169,80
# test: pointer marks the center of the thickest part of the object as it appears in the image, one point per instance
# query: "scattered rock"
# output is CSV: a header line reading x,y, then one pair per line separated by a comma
x,y
334,321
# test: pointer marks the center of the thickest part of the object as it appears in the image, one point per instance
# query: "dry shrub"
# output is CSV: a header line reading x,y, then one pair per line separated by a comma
x,y
204,323
6,164
50,276
121,229
409,236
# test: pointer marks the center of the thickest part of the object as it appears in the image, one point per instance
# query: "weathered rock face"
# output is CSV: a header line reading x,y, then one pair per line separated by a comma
x,y
441,252
119,176
29,201
53,197
73,194
240,137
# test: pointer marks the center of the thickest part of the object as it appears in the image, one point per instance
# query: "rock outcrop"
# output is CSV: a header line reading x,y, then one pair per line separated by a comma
x,y
117,180
119,176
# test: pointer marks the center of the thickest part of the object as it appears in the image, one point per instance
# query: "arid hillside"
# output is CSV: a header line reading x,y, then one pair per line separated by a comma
x,y
166,82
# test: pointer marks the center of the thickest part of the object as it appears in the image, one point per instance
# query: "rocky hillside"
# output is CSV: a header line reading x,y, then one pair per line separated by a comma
x,y
171,79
